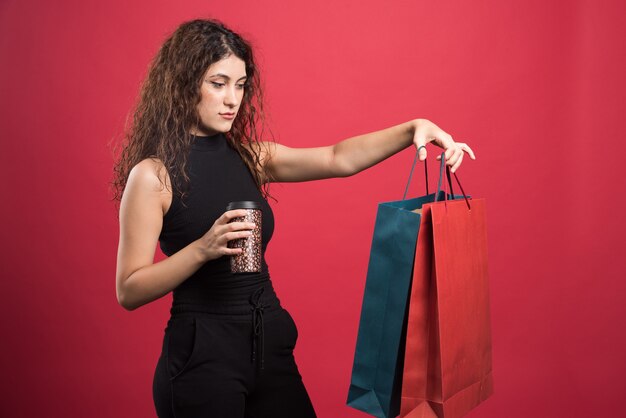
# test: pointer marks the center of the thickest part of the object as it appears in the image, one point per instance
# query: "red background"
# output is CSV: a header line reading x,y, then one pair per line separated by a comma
x,y
536,88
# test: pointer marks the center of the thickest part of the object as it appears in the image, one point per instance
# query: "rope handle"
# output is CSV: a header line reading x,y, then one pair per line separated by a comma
x,y
411,173
445,195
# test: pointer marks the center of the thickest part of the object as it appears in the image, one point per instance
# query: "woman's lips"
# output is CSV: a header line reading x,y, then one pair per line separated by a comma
x,y
228,116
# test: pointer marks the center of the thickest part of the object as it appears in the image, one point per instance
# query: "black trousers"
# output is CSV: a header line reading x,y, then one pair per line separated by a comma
x,y
238,364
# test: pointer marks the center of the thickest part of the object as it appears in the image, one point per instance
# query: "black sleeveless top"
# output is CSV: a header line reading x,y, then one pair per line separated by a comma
x,y
218,176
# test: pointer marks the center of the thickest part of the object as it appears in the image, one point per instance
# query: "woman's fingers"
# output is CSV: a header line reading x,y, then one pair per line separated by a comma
x,y
454,157
449,152
428,132
467,149
454,153
458,162
420,143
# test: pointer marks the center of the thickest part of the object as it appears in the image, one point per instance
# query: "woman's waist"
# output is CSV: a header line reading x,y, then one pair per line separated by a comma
x,y
225,300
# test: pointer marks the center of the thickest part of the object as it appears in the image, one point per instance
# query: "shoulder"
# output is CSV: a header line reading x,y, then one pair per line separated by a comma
x,y
149,180
265,150
150,173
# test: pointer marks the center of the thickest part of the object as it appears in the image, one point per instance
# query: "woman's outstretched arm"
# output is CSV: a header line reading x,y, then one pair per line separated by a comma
x,y
355,154
361,152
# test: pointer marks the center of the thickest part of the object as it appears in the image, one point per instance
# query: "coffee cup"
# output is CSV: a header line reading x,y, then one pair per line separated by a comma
x,y
249,260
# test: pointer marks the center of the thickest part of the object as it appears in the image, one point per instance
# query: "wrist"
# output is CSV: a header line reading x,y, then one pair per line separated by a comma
x,y
415,123
411,128
421,125
425,126
199,252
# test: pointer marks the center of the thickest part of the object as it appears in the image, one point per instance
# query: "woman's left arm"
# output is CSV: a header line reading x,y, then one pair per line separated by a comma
x,y
355,154
358,153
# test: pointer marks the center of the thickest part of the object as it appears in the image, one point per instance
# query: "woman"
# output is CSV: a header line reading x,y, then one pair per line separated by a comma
x,y
193,147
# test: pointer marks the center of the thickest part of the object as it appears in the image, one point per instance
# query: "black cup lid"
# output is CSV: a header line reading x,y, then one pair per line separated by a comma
x,y
244,204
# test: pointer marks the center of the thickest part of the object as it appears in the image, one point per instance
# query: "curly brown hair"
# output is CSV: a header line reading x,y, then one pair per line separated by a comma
x,y
166,109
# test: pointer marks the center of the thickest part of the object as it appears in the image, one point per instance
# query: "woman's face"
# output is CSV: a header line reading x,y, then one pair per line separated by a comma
x,y
221,93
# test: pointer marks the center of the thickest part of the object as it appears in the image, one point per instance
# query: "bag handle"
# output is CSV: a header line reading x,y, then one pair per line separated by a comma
x,y
411,173
445,195
441,166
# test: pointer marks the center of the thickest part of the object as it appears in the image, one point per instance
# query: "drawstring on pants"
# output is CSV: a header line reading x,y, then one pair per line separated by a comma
x,y
257,325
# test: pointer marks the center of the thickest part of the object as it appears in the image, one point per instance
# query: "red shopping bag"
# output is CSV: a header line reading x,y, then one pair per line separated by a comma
x,y
447,362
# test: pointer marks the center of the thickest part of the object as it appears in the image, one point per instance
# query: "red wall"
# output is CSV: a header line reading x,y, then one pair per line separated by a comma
x,y
536,88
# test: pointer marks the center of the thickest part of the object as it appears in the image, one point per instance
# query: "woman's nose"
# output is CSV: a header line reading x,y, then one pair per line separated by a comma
x,y
231,97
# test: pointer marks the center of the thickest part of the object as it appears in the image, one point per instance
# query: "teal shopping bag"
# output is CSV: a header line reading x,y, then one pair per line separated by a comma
x,y
375,386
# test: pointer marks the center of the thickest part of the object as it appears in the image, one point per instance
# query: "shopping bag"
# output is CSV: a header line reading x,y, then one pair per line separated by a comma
x,y
447,362
377,367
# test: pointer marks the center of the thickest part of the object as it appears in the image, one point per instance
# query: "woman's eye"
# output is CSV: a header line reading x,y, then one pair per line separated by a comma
x,y
219,85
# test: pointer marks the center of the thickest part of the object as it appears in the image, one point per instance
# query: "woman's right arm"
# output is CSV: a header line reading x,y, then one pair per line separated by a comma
x,y
138,279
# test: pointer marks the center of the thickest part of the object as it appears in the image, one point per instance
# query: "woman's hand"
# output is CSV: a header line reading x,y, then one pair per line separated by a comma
x,y
214,243
426,131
